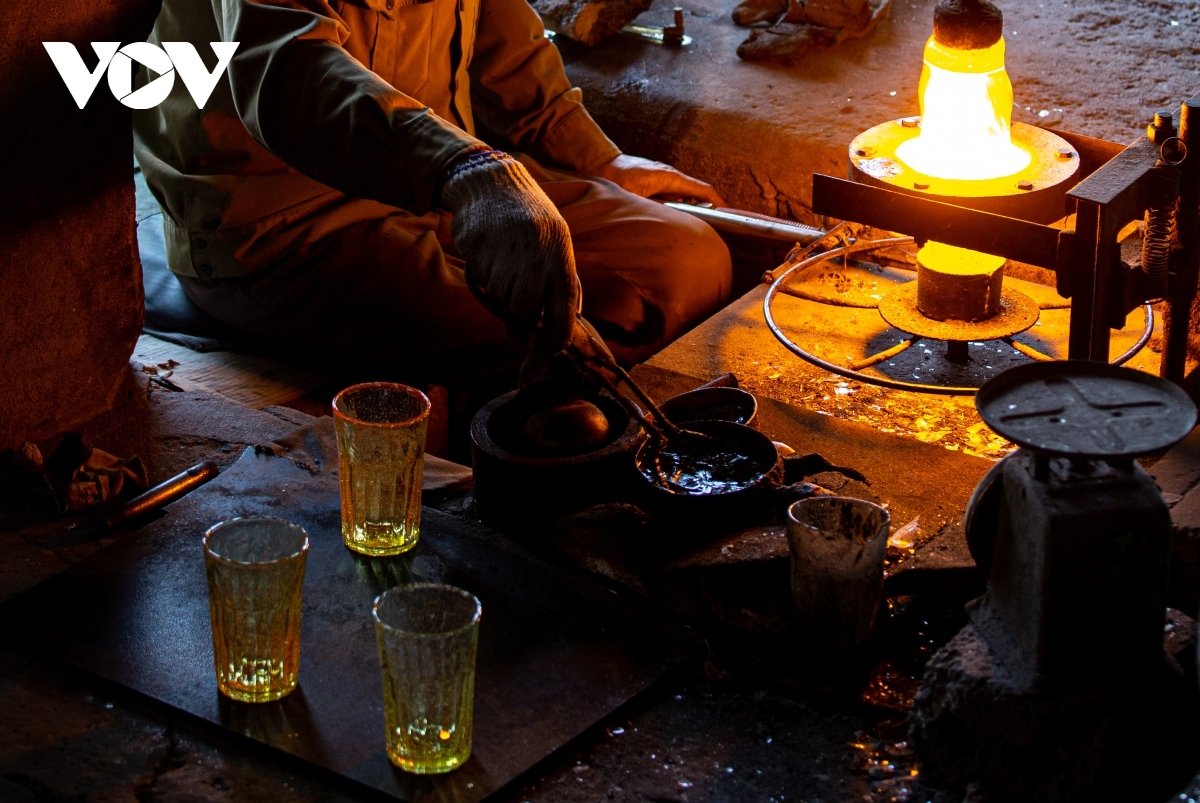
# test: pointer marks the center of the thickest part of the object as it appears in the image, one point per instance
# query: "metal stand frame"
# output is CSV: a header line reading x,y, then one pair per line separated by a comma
x,y
1119,187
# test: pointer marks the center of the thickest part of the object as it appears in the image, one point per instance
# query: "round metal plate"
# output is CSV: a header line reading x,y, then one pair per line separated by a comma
x,y
1080,408
1052,171
1017,313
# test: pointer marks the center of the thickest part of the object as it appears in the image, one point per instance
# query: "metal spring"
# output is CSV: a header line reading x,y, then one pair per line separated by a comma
x,y
1159,231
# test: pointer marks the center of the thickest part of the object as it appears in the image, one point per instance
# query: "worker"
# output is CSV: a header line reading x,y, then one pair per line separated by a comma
x,y
361,162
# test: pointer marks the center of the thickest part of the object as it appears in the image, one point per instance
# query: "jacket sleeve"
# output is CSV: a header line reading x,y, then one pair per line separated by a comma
x,y
520,91
301,95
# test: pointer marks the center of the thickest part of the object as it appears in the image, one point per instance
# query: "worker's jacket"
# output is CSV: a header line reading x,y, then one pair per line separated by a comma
x,y
333,111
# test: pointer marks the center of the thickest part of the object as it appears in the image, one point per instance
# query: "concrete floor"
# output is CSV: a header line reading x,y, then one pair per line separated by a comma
x,y
741,726
758,131
726,732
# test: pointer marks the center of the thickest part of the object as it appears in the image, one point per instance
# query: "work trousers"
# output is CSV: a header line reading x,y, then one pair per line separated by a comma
x,y
389,290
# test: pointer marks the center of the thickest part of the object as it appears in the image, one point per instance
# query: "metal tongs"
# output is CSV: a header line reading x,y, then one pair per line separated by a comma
x,y
661,428
596,363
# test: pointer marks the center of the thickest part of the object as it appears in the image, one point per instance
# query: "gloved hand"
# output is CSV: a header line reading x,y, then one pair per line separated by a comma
x,y
515,243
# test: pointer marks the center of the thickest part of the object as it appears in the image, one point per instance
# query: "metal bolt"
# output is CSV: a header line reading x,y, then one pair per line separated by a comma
x,y
910,122
920,185
1066,153
865,152
1025,184
1162,129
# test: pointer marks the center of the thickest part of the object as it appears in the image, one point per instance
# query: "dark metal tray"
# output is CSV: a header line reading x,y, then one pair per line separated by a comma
x,y
554,657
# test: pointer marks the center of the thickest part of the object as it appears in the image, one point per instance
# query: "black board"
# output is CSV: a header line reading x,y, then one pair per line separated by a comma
x,y
552,660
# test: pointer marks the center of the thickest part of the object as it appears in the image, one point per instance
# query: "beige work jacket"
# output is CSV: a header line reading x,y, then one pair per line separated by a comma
x,y
334,111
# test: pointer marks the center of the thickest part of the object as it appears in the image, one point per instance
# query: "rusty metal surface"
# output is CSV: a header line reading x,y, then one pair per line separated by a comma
x,y
552,658
1086,409
1017,313
924,218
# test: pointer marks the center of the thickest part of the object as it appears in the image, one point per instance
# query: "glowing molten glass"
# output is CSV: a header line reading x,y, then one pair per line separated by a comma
x,y
966,106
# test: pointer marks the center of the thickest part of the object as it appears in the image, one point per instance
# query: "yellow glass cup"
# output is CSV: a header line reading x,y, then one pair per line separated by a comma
x,y
255,572
381,428
428,635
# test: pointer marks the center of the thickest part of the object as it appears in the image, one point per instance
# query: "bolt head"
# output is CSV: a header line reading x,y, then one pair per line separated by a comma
x,y
1025,184
920,185
1066,153
910,122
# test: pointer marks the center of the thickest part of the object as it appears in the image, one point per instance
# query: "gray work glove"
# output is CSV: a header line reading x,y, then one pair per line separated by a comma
x,y
515,243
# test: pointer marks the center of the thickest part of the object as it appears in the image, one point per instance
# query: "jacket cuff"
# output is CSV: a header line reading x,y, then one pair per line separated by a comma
x,y
436,145
576,141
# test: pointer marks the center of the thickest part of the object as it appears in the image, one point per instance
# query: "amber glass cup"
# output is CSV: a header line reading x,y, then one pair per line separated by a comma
x,y
255,575
427,641
381,429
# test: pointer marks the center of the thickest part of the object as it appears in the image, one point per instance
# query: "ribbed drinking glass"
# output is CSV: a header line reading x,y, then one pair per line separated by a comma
x,y
427,641
255,575
838,546
381,429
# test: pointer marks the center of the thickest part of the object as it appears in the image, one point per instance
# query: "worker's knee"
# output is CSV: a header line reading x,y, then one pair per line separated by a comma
x,y
652,279
697,273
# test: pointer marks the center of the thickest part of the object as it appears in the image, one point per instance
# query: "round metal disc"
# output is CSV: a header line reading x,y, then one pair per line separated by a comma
x,y
1017,313
1036,193
1086,409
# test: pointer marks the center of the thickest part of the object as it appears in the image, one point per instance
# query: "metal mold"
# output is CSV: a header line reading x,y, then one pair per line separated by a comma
x,y
1048,175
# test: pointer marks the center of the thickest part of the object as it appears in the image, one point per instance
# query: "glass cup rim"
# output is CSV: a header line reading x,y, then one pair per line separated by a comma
x,y
791,511
396,386
242,519
439,586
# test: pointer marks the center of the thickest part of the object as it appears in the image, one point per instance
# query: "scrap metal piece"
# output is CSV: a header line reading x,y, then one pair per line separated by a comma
x,y
885,355
669,35
589,22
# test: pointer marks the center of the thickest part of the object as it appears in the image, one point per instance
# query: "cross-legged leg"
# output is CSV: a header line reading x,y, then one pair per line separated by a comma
x,y
390,291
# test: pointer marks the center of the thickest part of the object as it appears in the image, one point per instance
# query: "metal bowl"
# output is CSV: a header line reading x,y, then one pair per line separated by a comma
x,y
699,518
712,404
519,491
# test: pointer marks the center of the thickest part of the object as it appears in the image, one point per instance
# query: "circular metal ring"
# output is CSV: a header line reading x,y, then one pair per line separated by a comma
x,y
894,384
1178,146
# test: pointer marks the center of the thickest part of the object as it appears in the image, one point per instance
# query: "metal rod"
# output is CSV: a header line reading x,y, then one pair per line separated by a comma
x,y
1028,351
833,302
735,221
1182,292
884,355
162,494
606,361
958,352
